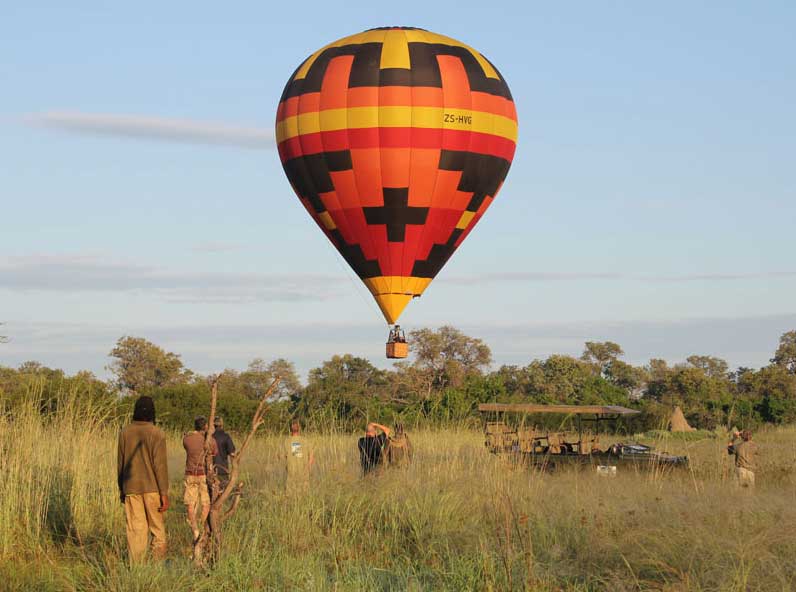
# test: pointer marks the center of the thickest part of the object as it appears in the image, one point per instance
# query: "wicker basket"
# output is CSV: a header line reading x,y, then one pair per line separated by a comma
x,y
397,349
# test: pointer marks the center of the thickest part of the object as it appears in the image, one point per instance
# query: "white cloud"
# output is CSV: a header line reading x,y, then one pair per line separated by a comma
x,y
87,273
155,128
616,276
81,273
216,247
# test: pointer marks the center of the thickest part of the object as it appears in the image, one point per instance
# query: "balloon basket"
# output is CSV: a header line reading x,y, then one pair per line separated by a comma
x,y
397,350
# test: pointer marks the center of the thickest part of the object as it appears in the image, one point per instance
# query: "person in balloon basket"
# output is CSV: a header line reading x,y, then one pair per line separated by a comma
x,y
373,447
197,494
143,478
299,458
744,450
226,448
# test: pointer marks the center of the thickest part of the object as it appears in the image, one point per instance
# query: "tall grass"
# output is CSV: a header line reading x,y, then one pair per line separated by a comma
x,y
457,519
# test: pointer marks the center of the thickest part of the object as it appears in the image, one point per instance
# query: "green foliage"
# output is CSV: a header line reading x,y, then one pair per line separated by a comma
x,y
341,393
713,367
443,382
259,376
785,355
448,356
776,387
140,365
32,382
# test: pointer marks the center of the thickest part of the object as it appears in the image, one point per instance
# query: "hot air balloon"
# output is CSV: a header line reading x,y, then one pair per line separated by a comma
x,y
396,140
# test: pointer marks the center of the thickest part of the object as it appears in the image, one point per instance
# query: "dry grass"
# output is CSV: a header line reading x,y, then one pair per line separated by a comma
x,y
458,519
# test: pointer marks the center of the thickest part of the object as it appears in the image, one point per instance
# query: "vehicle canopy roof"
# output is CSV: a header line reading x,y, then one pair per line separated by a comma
x,y
563,409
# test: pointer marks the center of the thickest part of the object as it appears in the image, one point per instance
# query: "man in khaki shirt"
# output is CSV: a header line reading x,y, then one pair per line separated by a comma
x,y
744,450
197,494
299,459
143,478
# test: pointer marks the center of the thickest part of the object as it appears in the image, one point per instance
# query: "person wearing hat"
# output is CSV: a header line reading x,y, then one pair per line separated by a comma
x,y
196,491
143,478
226,447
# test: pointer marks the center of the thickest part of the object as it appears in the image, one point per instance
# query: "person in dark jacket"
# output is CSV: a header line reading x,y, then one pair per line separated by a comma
x,y
143,478
226,447
372,447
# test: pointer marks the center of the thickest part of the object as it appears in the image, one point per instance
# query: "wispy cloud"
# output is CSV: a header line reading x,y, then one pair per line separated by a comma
x,y
90,273
216,247
154,128
87,273
612,276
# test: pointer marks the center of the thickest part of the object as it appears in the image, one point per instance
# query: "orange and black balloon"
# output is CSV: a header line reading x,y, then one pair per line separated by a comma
x,y
396,140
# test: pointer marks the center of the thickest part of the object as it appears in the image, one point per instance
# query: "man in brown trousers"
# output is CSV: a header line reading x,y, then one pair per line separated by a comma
x,y
143,476
744,450
197,495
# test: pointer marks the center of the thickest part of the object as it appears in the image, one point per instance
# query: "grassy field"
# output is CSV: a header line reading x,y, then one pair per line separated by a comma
x,y
458,519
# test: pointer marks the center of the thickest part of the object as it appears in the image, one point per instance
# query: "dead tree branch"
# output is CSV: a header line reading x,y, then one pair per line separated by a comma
x,y
211,535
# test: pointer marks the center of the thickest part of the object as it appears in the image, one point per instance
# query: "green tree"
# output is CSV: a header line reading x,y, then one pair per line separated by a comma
x,y
785,355
657,372
140,365
51,387
601,353
515,381
624,375
713,367
447,356
343,392
705,399
559,378
776,389
260,374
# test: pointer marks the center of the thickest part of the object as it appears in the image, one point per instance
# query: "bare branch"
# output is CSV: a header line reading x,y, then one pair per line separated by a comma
x,y
235,501
212,528
257,421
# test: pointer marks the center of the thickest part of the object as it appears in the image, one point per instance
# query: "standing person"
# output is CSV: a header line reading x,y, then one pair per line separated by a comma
x,y
744,451
299,458
226,447
143,477
399,450
372,447
196,492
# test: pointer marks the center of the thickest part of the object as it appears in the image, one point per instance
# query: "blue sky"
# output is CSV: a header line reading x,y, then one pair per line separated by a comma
x,y
651,200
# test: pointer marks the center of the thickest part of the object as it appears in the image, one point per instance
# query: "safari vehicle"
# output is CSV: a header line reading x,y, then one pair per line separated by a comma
x,y
539,446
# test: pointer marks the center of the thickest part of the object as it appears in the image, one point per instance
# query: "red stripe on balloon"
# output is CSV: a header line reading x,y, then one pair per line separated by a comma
x,y
396,137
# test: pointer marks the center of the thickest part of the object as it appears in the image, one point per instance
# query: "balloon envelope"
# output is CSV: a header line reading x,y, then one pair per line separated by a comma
x,y
396,140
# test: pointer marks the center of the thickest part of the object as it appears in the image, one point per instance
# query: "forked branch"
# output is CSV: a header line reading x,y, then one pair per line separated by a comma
x,y
217,516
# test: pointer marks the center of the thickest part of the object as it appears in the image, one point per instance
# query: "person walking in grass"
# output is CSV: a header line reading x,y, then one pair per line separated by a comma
x,y
372,447
299,458
226,447
143,477
744,450
197,494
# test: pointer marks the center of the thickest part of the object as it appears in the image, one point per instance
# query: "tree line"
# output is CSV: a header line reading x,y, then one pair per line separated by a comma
x,y
448,374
